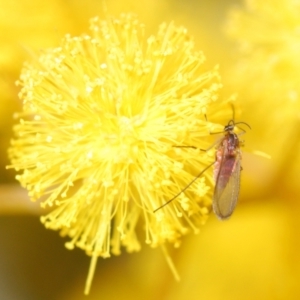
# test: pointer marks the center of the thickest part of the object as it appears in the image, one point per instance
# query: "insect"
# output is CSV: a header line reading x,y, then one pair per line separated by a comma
x,y
227,172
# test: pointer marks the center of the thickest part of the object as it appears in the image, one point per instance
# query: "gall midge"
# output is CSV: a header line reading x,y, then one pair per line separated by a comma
x,y
227,172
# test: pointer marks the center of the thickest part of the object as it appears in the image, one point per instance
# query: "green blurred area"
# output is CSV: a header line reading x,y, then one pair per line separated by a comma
x,y
33,261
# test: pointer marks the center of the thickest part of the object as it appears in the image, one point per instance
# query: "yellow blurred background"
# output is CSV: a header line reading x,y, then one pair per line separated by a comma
x,y
255,254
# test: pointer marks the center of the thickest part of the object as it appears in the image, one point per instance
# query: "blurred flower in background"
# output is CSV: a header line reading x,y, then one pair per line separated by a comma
x,y
254,255
267,35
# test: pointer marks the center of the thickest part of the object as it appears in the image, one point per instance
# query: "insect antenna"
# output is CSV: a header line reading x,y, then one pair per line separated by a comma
x,y
235,124
184,189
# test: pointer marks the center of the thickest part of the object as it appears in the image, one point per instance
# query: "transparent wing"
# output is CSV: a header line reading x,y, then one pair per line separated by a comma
x,y
227,187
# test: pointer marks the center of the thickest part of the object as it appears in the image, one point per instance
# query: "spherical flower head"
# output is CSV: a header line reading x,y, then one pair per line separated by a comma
x,y
97,140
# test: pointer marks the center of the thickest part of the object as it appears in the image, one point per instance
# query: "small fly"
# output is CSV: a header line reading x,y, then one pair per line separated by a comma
x,y
227,173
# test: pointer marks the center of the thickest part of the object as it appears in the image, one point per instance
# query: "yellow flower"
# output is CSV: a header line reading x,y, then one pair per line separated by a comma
x,y
95,142
266,75
267,72
27,26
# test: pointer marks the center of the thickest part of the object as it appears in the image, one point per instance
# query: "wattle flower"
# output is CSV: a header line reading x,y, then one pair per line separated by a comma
x,y
96,140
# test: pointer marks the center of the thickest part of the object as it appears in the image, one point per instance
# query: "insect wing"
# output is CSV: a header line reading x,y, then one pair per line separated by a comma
x,y
227,186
